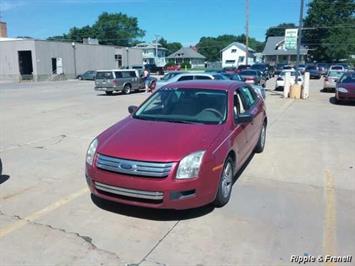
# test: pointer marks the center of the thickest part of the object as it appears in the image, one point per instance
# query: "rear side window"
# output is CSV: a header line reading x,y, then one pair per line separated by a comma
x,y
202,77
132,74
185,78
126,74
248,96
104,75
118,74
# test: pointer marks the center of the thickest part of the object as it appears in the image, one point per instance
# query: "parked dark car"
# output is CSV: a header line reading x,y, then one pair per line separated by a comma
x,y
252,77
278,69
242,68
88,75
314,73
153,68
264,69
230,70
233,76
181,148
322,68
345,88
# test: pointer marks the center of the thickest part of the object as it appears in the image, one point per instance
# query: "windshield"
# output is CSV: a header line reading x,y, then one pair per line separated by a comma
x,y
350,78
258,67
293,73
220,77
336,74
182,105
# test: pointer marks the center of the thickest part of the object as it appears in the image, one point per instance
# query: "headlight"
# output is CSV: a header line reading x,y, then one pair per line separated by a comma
x,y
190,165
91,152
343,90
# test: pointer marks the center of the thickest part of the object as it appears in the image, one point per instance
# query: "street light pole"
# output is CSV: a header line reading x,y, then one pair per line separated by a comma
x,y
127,55
247,31
299,37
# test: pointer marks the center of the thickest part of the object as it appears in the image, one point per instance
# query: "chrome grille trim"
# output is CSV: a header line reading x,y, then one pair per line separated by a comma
x,y
152,195
130,167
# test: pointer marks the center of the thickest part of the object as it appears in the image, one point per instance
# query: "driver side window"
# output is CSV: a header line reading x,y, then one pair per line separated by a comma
x,y
239,104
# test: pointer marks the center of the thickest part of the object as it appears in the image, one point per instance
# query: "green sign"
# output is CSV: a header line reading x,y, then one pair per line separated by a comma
x,y
291,39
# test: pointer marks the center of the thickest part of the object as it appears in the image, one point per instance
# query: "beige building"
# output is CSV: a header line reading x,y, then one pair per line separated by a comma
x,y
3,29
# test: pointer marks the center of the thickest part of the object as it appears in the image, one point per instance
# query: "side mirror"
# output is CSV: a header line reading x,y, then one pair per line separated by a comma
x,y
132,109
244,118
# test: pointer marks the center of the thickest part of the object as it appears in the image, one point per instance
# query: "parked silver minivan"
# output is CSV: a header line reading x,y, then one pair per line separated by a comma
x,y
120,80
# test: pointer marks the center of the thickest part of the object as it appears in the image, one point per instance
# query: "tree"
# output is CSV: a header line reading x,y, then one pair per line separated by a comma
x,y
330,29
172,47
279,30
211,47
110,28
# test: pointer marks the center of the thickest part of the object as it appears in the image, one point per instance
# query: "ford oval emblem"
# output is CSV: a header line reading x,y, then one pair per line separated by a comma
x,y
126,166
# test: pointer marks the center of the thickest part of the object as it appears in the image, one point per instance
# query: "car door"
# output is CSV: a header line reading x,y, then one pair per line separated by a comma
x,y
119,79
134,80
241,130
252,104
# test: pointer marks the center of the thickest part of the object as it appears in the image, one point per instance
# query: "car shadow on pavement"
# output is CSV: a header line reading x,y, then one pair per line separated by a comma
x,y
332,100
241,170
4,178
149,213
119,94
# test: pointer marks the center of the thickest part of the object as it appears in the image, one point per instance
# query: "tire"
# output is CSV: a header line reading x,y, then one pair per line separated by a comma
x,y
225,184
80,78
127,89
108,92
260,145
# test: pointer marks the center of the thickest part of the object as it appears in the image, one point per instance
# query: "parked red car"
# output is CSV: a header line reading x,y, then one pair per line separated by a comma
x,y
172,68
181,148
345,88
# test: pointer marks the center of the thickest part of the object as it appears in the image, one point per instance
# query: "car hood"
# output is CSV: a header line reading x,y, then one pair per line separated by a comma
x,y
157,141
349,86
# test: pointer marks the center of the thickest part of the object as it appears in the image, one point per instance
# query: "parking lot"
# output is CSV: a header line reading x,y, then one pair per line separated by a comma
x,y
296,198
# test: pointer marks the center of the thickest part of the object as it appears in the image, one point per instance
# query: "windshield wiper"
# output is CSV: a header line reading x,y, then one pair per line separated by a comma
x,y
181,121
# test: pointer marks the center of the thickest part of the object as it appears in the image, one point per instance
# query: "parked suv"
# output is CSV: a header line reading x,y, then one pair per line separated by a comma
x,y
120,80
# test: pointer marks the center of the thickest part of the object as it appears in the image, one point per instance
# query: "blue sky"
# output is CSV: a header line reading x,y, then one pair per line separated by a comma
x,y
184,21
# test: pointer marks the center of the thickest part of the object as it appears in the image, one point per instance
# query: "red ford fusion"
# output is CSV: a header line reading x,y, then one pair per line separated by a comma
x,y
181,148
345,88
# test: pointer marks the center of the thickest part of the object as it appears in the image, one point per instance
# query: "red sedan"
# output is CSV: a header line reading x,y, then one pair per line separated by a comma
x,y
345,88
181,148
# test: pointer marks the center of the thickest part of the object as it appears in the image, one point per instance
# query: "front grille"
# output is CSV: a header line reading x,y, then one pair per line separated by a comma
x,y
132,193
129,167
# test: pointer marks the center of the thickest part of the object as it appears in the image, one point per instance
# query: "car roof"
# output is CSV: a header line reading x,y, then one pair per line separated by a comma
x,y
206,84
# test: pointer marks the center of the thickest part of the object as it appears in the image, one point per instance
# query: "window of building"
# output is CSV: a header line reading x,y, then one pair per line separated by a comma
x,y
118,58
241,59
233,50
230,61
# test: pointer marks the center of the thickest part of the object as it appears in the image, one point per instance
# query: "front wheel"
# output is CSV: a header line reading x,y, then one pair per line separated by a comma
x,y
225,184
261,142
109,92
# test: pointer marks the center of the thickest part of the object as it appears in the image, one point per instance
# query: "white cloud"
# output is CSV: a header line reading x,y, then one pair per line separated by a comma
x,y
9,5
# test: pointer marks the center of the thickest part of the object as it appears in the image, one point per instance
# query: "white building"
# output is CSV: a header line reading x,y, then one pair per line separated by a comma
x,y
235,54
153,53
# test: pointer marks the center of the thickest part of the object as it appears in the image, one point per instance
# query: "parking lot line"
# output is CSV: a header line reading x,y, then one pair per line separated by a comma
x,y
329,227
34,216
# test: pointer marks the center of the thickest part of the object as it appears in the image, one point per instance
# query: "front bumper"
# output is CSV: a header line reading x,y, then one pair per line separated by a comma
x,y
160,193
345,96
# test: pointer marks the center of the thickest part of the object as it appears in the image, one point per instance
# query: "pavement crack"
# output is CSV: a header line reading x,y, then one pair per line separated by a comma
x,y
84,238
158,243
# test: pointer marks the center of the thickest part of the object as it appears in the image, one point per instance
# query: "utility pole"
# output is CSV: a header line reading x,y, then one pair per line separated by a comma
x,y
156,46
247,31
299,37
